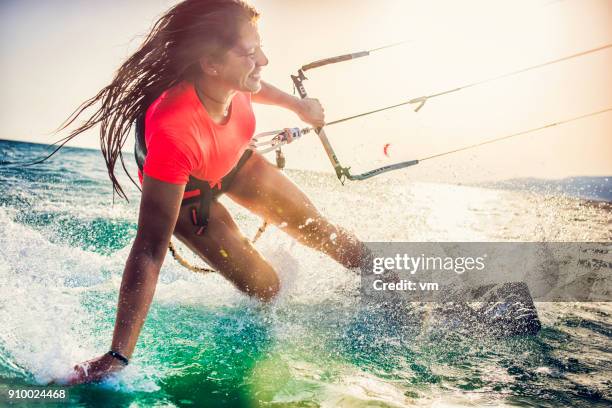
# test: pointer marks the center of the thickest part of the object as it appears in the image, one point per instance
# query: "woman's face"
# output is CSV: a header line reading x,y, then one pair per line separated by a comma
x,y
241,67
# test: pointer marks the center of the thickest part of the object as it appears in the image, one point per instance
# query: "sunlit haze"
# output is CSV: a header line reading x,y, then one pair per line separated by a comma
x,y
58,54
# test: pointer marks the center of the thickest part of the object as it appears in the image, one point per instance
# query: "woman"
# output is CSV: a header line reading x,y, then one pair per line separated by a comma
x,y
191,85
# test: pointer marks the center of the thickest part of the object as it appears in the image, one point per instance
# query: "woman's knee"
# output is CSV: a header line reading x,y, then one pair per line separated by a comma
x,y
265,286
343,246
316,230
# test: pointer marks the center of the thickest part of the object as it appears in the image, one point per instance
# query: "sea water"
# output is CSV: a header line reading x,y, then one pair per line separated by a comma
x,y
64,242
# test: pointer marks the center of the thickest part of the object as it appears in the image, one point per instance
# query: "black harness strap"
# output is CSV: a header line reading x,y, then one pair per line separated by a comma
x,y
140,147
200,218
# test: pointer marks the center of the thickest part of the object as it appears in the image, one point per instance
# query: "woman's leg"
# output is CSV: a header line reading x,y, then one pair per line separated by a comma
x,y
224,248
263,189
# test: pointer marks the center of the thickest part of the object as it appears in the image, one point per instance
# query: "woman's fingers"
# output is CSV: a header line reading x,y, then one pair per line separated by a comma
x,y
311,111
92,370
78,375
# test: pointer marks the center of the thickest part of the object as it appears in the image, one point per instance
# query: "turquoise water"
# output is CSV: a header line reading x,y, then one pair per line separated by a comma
x,y
63,244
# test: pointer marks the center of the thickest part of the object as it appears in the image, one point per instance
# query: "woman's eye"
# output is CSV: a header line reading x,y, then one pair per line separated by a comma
x,y
253,53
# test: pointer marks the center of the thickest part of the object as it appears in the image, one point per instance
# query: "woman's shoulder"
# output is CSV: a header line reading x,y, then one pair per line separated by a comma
x,y
173,106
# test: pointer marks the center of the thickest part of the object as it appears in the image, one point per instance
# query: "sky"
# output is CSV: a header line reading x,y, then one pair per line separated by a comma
x,y
57,54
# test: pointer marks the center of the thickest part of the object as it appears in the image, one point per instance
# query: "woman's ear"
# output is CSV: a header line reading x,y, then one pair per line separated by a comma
x,y
208,67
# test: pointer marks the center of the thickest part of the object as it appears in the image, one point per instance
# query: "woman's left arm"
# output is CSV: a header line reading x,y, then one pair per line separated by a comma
x,y
308,109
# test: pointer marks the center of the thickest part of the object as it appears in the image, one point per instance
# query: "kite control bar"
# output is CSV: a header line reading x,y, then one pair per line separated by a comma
x,y
344,172
341,172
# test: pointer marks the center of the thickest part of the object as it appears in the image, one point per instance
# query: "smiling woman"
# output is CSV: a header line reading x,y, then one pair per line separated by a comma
x,y
64,247
189,89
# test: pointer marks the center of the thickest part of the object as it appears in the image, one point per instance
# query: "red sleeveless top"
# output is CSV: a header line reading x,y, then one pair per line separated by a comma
x,y
182,140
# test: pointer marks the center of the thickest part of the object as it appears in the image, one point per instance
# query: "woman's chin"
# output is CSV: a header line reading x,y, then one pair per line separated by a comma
x,y
253,85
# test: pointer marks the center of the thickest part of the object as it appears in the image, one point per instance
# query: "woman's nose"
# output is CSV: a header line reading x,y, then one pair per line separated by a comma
x,y
262,60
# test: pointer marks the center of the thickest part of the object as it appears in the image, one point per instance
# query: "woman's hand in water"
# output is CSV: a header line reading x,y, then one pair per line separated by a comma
x,y
93,370
311,111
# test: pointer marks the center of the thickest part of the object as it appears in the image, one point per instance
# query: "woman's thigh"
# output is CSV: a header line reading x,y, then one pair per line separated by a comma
x,y
266,191
263,189
227,250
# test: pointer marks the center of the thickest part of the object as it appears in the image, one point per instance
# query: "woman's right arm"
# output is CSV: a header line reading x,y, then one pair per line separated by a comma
x,y
159,209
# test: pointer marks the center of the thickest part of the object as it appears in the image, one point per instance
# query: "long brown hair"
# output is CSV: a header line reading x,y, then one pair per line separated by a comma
x,y
170,54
